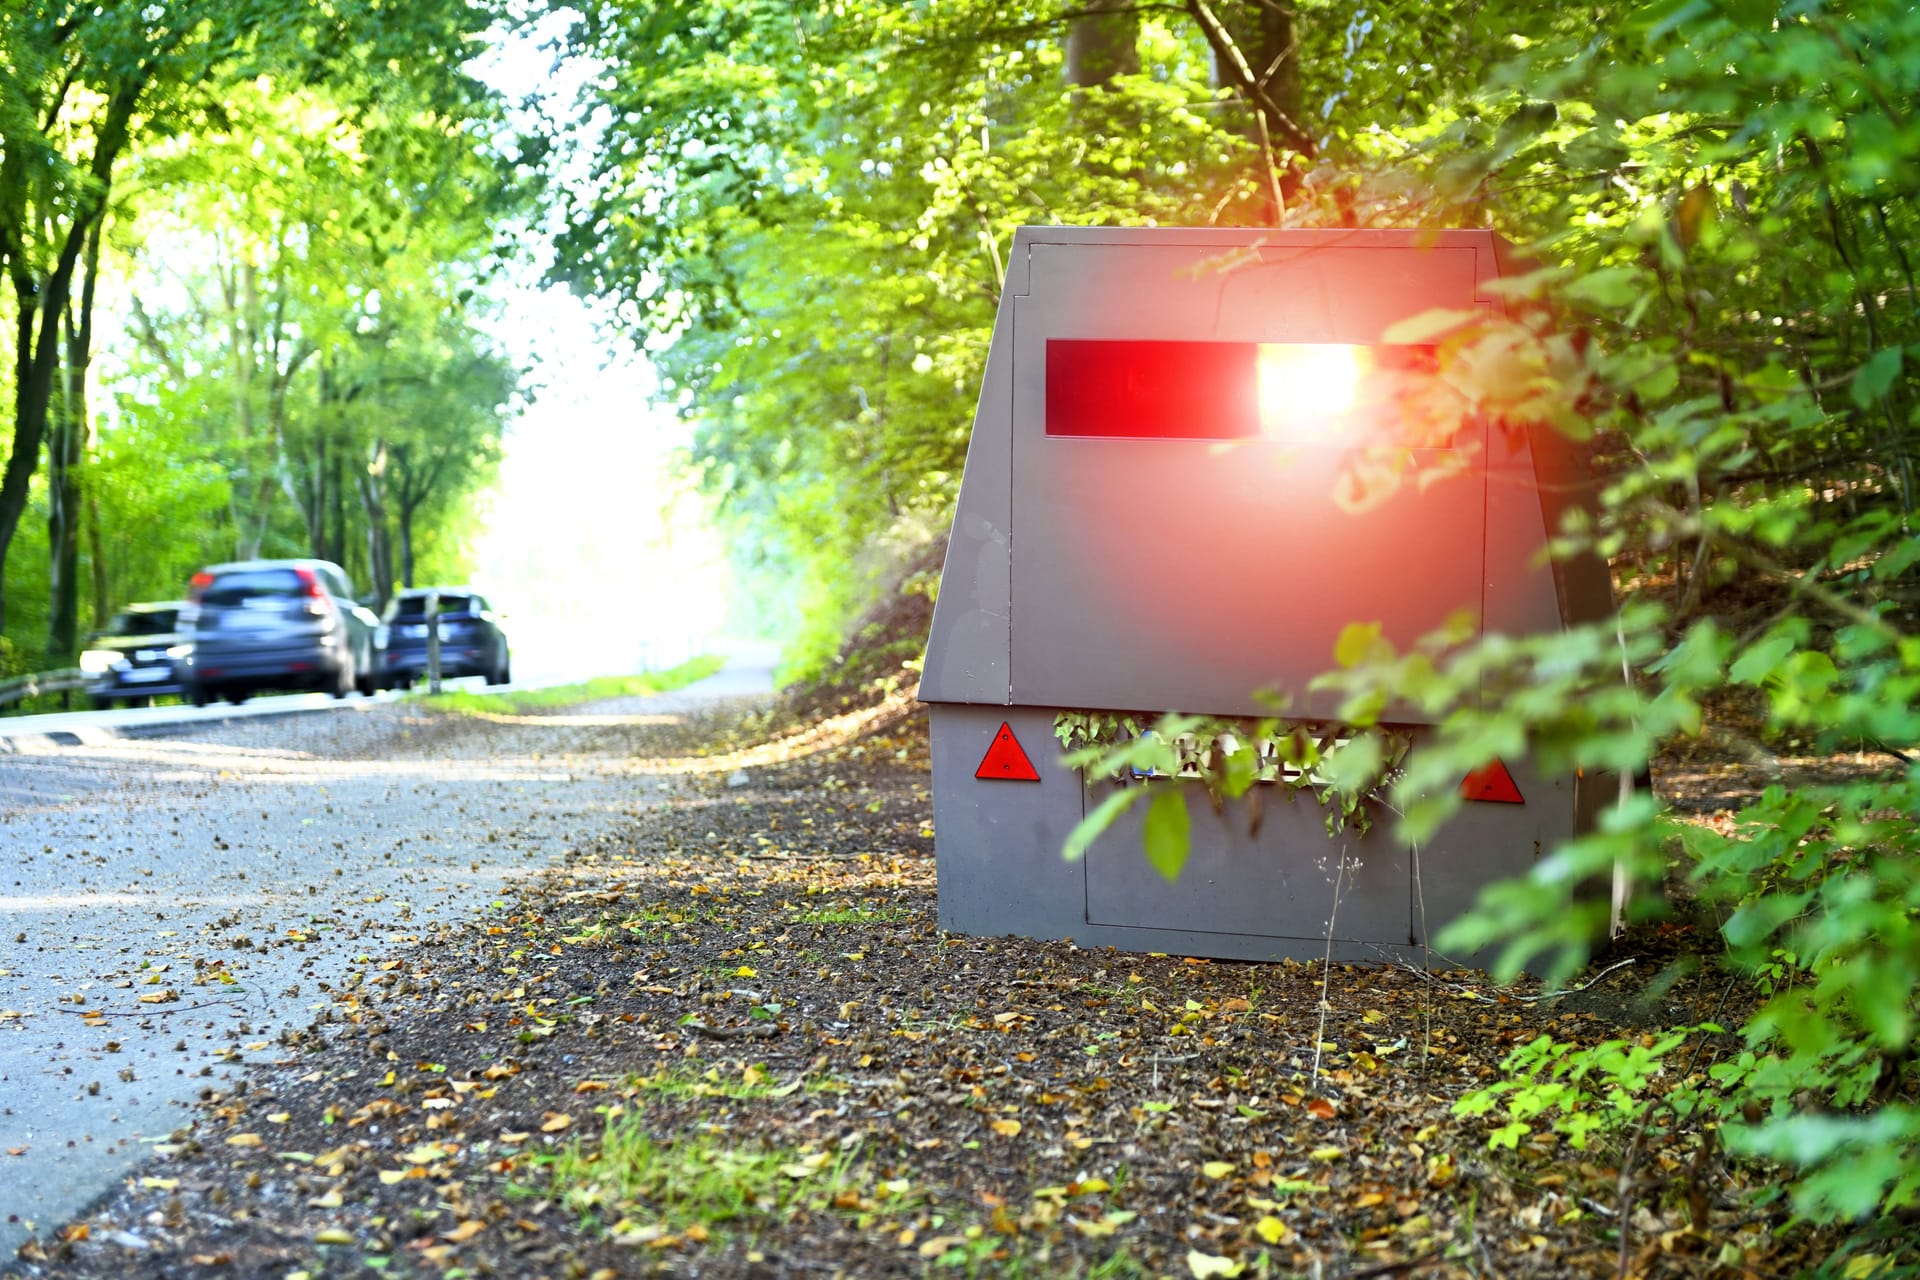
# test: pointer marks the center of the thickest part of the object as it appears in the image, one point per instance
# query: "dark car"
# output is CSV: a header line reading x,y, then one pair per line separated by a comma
x,y
278,624
471,641
137,656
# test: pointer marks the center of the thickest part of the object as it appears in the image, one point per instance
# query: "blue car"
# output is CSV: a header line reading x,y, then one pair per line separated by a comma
x,y
278,624
472,642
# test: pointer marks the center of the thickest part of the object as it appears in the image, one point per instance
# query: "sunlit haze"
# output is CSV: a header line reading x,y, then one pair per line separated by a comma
x,y
601,559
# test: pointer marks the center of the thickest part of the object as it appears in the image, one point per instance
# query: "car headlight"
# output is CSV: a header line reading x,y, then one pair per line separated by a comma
x,y
179,651
97,662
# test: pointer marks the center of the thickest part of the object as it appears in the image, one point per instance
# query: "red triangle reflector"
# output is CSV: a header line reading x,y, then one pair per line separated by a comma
x,y
1005,760
1493,784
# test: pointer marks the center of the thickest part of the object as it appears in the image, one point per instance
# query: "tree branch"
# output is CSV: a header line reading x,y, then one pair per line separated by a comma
x,y
1223,45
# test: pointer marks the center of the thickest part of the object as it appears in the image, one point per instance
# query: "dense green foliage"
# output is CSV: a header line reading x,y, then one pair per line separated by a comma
x,y
1737,320
800,206
242,241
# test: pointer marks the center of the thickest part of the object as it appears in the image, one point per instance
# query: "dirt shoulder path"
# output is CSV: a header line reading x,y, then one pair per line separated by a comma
x,y
726,1037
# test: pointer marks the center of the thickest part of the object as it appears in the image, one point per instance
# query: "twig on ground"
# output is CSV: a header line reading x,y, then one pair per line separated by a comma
x,y
150,1011
751,1031
1469,993
1555,995
1391,1268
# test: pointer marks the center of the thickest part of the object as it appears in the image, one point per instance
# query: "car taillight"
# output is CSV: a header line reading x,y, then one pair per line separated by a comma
x,y
311,583
198,587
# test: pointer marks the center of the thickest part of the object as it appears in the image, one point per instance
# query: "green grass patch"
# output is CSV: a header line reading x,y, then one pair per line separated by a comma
x,y
753,1084
985,1253
635,1186
462,702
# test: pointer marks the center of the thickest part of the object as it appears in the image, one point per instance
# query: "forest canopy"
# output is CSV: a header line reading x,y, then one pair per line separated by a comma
x,y
246,249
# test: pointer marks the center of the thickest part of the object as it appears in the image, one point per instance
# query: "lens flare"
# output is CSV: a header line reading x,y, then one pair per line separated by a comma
x,y
1308,386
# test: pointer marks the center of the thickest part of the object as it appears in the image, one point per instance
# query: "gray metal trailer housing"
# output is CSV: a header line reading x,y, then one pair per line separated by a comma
x,y
1128,570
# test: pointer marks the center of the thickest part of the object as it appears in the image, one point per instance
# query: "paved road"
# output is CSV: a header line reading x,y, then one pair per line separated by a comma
x,y
170,905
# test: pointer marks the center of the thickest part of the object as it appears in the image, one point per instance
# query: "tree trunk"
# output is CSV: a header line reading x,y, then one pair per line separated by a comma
x,y
1256,54
373,505
69,432
404,521
64,428
36,358
97,560
1265,36
1103,43
38,307
337,502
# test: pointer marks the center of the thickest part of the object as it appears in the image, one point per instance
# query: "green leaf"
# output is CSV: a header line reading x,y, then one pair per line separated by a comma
x,y
1610,286
1760,918
1876,377
1508,1135
1088,829
1664,17
1353,767
1430,325
1760,662
1167,833
1360,642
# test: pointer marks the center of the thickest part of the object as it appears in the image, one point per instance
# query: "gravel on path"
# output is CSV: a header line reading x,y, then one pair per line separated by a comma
x,y
175,908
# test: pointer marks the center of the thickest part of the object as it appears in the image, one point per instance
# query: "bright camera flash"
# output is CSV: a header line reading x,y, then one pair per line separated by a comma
x,y
1307,383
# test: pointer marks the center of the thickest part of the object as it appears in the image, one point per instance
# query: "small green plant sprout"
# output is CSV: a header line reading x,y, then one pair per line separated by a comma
x,y
1581,1093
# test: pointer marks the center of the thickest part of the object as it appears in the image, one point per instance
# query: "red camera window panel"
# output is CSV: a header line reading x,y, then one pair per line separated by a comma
x,y
1153,390
1296,393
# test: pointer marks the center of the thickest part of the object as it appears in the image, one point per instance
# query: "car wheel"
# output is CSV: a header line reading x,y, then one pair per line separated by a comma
x,y
199,697
344,680
238,696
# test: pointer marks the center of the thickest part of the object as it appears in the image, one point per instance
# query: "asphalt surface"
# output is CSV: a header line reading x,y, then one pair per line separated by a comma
x,y
170,905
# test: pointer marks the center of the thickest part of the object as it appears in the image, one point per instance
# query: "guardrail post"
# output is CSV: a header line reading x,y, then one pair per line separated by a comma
x,y
433,642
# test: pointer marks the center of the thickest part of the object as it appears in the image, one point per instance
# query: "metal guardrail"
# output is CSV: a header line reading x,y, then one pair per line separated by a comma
x,y
70,680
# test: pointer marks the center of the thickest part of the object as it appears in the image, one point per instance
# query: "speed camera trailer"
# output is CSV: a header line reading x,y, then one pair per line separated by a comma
x,y
1151,519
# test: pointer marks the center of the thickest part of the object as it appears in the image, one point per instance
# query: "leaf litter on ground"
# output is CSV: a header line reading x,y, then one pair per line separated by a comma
x,y
736,1042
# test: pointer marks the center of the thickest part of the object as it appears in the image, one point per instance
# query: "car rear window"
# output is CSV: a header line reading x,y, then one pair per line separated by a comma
x,y
415,607
238,588
149,623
